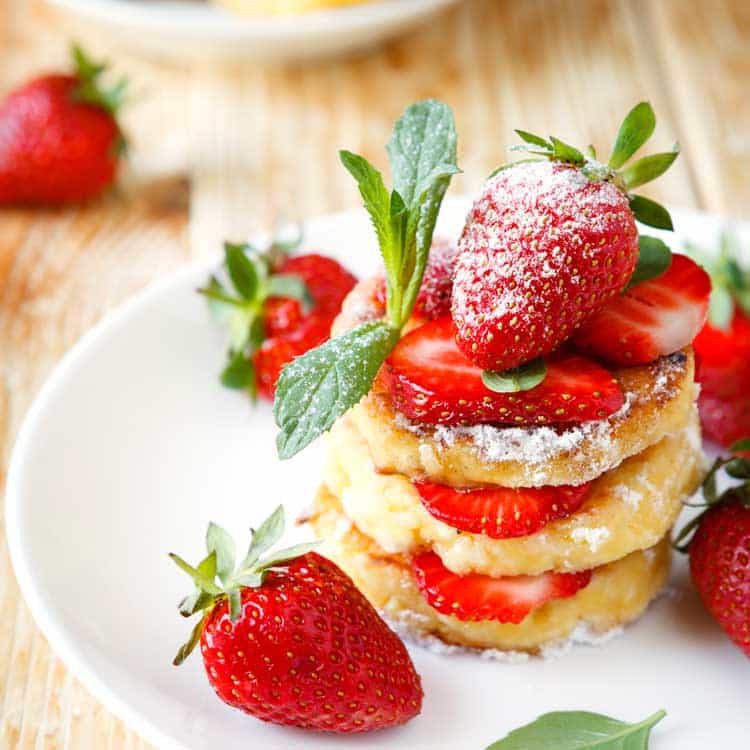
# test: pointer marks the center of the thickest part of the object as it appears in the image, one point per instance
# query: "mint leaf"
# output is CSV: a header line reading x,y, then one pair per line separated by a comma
x,y
422,147
317,388
376,200
654,259
651,213
637,127
579,730
422,153
523,378
648,168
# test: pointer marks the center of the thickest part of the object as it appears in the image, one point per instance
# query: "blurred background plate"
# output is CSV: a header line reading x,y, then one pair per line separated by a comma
x,y
192,30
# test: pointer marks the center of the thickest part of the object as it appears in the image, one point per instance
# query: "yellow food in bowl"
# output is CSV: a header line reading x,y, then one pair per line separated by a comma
x,y
269,7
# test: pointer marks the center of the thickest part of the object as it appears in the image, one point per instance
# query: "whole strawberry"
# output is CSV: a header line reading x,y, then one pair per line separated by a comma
x,y
548,242
720,549
291,640
59,139
275,308
722,348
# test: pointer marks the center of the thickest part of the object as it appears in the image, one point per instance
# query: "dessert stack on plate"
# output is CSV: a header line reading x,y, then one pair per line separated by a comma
x,y
511,479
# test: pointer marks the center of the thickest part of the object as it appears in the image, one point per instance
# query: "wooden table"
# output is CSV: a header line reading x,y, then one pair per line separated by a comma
x,y
220,152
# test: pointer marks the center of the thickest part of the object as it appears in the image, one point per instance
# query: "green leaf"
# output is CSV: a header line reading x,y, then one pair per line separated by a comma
x,y
654,259
741,446
288,554
239,325
290,285
267,534
650,212
242,270
220,542
187,648
376,200
318,387
235,604
564,152
637,127
579,730
214,292
200,580
648,168
534,140
197,601
739,468
521,378
239,372
422,149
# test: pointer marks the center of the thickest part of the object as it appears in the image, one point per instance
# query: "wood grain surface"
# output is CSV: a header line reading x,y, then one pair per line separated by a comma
x,y
223,151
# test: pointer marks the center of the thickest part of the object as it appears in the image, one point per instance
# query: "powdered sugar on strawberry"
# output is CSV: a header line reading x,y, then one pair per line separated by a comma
x,y
543,248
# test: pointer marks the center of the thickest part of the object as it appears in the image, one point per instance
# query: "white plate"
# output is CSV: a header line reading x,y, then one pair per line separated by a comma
x,y
132,447
185,30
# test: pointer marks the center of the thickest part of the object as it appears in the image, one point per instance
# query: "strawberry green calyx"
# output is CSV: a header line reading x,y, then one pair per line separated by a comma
x,y
736,467
89,89
218,576
730,281
636,129
237,300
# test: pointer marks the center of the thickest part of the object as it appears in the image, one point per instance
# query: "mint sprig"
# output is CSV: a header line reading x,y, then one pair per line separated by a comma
x,y
579,730
219,576
318,387
237,301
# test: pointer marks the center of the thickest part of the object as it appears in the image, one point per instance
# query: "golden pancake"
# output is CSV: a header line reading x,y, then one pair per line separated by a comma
x,y
618,593
659,398
628,508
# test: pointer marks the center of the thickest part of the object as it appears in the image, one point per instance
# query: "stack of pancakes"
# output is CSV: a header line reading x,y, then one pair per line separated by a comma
x,y
643,462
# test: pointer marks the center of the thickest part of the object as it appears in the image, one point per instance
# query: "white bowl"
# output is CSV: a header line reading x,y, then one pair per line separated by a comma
x,y
185,31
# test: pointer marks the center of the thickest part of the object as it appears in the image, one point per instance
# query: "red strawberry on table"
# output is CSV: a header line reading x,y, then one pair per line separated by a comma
x,y
289,639
59,139
275,308
434,298
500,512
432,381
652,318
548,242
720,548
722,348
480,597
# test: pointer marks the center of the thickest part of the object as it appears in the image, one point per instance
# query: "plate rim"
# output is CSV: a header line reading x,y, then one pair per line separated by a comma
x,y
31,592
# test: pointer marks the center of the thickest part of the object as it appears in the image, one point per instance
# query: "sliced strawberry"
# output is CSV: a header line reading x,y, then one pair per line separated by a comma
x,y
653,318
480,597
500,512
432,381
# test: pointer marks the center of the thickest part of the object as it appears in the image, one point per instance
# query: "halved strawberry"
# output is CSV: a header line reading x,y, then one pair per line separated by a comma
x,y
432,381
480,597
500,512
653,318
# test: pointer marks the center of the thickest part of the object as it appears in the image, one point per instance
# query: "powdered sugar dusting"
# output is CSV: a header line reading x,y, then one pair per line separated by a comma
x,y
408,626
593,537
538,235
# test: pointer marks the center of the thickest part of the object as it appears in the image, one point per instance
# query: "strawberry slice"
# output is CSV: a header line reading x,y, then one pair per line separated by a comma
x,y
432,381
653,318
500,512
480,597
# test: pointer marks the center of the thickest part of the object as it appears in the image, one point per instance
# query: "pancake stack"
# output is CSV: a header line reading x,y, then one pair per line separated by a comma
x,y
640,465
